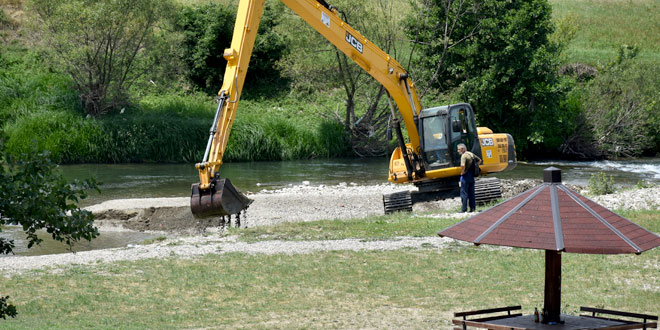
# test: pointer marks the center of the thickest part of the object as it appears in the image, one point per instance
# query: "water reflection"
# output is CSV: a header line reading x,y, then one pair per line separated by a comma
x,y
105,240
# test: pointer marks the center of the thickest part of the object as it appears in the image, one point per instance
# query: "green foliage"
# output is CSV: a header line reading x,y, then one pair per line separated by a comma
x,y
641,184
152,137
332,141
190,106
67,137
6,309
598,39
255,138
4,19
103,45
170,129
35,196
25,87
207,31
622,107
313,63
501,55
601,184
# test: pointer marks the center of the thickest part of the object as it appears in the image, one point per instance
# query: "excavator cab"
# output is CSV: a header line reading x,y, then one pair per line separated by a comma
x,y
441,129
434,132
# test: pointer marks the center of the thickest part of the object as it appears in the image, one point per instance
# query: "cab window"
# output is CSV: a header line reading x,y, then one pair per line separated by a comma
x,y
435,141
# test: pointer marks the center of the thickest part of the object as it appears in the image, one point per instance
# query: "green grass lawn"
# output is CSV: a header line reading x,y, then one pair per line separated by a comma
x,y
604,25
410,288
387,226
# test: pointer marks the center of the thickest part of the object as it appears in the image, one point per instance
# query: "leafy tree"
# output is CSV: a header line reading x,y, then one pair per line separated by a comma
x,y
499,56
35,196
315,64
207,31
105,46
622,107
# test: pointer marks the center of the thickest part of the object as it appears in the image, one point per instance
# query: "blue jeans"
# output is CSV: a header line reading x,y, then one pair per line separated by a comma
x,y
467,195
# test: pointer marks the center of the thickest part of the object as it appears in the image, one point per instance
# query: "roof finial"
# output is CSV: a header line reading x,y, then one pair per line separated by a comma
x,y
552,175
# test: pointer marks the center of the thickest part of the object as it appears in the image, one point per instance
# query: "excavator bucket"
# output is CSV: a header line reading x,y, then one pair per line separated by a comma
x,y
220,200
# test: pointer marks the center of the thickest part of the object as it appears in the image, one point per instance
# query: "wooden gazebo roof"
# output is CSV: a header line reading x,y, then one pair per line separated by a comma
x,y
553,217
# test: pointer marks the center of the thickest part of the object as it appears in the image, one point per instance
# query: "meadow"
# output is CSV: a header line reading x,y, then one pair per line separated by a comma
x,y
411,288
604,25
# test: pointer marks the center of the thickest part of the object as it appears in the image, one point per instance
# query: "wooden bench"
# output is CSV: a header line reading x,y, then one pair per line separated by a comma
x,y
636,324
464,322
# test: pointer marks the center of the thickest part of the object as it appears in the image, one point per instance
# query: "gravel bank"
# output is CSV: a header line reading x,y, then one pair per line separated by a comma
x,y
187,247
270,207
299,203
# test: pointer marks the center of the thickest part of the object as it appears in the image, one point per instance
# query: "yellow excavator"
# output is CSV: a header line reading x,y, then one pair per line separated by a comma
x,y
429,159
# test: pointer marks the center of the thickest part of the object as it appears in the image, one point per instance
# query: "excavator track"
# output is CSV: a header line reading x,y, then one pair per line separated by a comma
x,y
398,201
486,190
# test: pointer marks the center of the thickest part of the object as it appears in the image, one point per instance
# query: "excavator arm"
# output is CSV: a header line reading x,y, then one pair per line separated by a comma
x,y
218,197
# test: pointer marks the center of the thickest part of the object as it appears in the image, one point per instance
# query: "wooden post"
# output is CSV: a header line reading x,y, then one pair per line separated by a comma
x,y
552,297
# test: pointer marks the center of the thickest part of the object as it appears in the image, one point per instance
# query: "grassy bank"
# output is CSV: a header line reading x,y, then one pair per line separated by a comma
x,y
387,226
605,25
38,109
394,289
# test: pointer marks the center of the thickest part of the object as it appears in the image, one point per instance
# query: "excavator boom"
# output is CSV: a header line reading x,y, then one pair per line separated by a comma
x,y
427,159
209,197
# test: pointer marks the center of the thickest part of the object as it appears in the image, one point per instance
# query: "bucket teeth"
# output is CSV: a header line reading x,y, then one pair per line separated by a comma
x,y
238,220
220,200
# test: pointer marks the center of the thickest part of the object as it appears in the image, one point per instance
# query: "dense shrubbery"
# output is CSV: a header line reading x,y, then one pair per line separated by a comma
x,y
39,109
106,46
622,106
207,31
159,128
619,110
500,57
168,137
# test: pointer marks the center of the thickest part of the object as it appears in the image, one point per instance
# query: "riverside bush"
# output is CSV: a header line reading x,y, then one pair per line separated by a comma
x,y
601,184
152,138
255,138
146,136
67,137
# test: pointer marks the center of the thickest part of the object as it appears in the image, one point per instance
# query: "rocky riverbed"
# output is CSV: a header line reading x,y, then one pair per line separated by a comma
x,y
270,207
187,236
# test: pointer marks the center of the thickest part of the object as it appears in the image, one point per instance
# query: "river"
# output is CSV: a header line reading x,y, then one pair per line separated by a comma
x,y
120,181
174,180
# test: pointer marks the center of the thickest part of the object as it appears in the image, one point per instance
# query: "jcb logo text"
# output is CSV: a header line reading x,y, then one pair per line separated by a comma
x,y
354,42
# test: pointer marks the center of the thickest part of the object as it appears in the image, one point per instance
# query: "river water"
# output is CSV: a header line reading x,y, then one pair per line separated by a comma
x,y
174,180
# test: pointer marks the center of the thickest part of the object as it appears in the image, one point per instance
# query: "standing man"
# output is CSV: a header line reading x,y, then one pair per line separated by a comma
x,y
468,162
